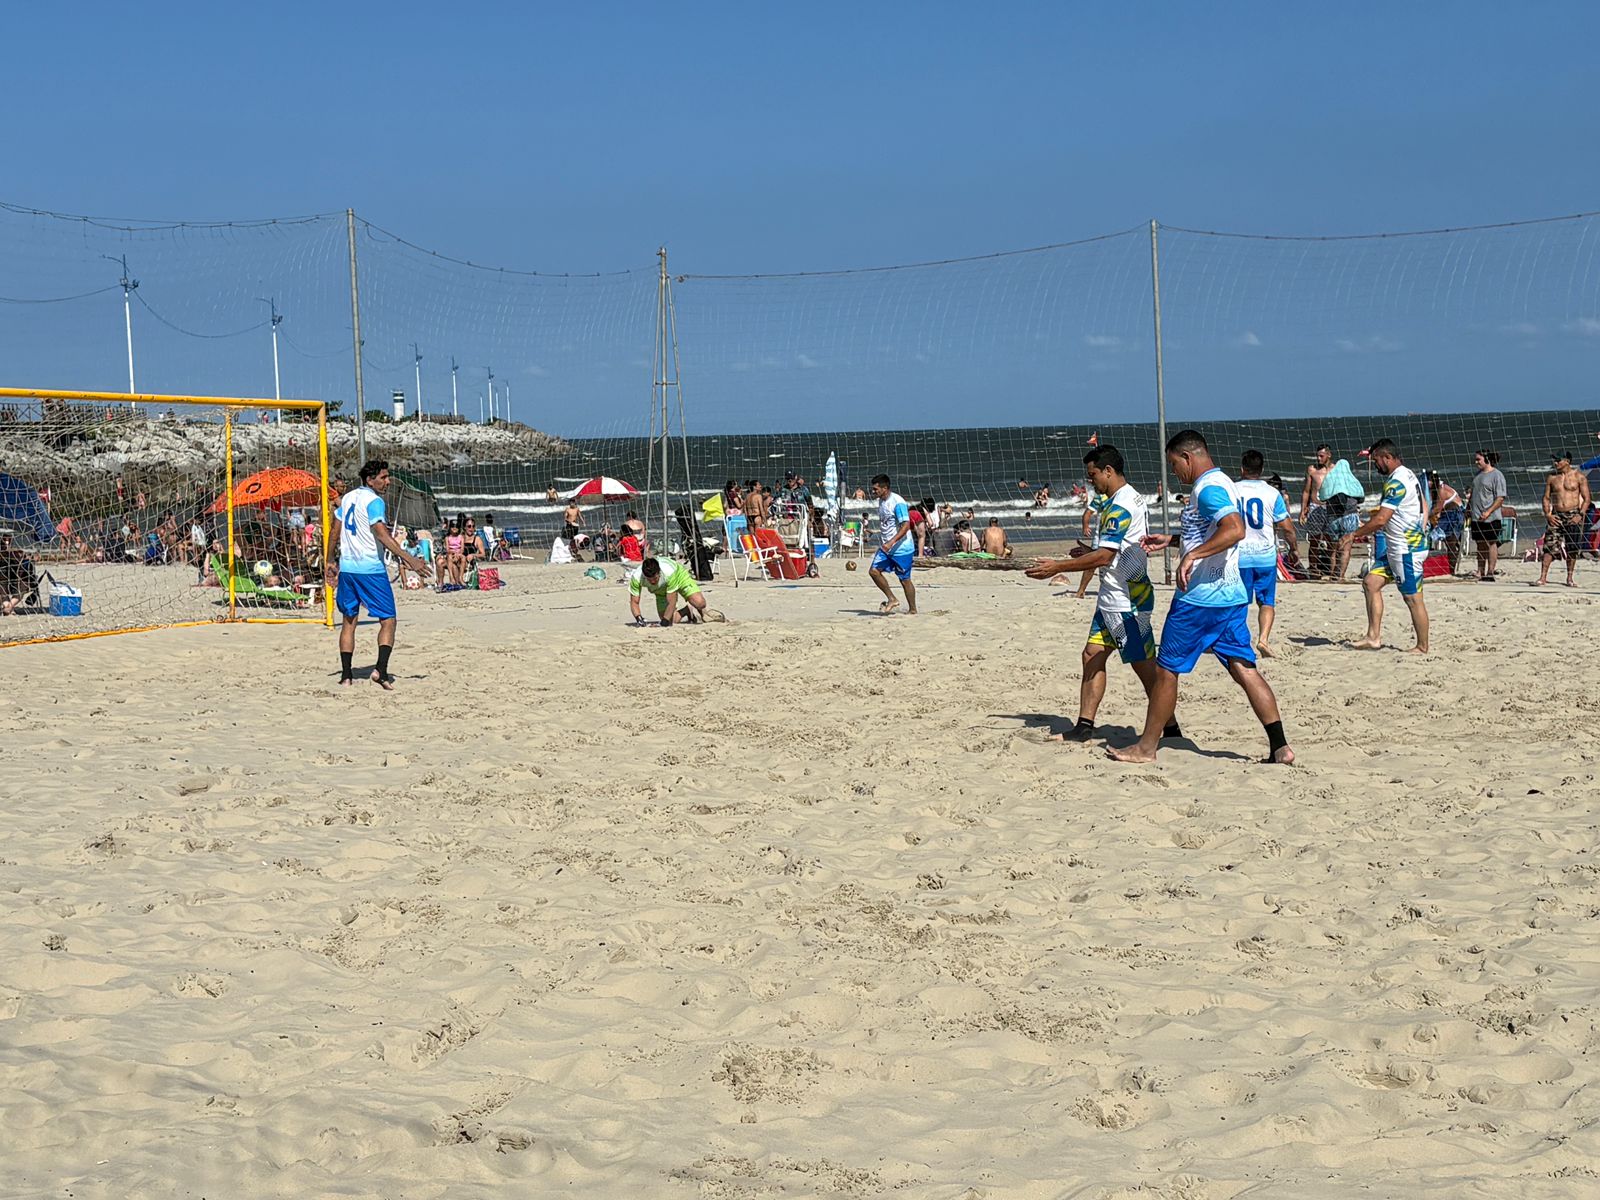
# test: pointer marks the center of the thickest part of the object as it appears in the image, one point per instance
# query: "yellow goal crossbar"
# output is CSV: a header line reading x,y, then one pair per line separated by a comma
x,y
139,398
224,402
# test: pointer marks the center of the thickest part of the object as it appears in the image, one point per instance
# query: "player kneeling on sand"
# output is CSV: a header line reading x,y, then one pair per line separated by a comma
x,y
666,581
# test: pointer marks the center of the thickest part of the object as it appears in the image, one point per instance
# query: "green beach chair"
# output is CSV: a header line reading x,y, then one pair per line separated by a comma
x,y
247,591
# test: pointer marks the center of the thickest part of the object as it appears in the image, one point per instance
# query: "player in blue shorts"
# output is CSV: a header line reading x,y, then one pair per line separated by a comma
x,y
1266,514
360,535
1210,610
897,551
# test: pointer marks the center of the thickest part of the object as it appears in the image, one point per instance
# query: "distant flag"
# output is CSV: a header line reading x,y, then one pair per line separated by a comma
x,y
1094,438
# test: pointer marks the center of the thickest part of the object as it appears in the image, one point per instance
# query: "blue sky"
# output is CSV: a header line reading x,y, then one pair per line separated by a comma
x,y
767,138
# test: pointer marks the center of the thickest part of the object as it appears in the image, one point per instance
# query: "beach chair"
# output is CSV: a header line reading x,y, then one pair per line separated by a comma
x,y
773,554
767,560
247,591
852,536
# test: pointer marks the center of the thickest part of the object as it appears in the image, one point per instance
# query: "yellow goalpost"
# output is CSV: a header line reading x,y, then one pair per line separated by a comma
x,y
106,501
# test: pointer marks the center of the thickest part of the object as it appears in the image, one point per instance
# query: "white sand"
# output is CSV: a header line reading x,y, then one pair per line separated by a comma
x,y
801,905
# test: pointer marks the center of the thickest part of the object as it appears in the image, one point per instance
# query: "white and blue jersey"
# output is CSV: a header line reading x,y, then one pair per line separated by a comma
x,y
359,552
1262,507
893,512
1215,581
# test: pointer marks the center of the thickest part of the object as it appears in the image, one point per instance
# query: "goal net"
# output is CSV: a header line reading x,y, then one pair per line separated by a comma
x,y
122,514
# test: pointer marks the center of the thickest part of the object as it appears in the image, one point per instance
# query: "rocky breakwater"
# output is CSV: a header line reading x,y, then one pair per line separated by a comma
x,y
150,450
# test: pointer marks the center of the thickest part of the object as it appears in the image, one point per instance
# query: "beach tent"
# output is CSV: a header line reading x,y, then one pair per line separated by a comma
x,y
21,507
411,501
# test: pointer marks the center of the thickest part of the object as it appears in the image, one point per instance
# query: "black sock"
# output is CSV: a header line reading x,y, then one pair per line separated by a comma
x,y
1172,730
383,661
1085,723
1275,739
346,670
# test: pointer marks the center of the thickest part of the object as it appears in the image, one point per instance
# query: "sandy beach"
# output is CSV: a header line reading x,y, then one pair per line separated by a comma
x,y
801,905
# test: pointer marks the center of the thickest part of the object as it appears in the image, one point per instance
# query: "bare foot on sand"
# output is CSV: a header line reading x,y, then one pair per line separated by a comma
x,y
1365,644
386,682
888,607
1131,754
1417,650
1264,650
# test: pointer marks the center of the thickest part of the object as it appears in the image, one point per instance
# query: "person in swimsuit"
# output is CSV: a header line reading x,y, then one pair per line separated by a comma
x,y
1566,507
1448,516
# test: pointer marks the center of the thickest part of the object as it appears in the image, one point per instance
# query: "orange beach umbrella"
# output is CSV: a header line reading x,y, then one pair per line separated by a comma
x,y
274,488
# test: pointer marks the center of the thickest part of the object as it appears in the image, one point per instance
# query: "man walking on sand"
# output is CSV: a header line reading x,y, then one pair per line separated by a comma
x,y
1566,514
1400,545
897,552
1265,516
1210,610
359,536
1125,600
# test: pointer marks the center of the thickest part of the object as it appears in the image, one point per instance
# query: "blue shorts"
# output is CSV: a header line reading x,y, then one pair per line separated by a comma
x,y
1344,526
900,564
371,592
1261,583
1192,629
1126,632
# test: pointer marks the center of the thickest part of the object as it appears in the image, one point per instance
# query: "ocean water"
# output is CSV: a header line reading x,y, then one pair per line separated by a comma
x,y
983,469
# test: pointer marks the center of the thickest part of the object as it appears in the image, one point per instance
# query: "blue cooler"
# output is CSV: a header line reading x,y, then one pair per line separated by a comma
x,y
65,601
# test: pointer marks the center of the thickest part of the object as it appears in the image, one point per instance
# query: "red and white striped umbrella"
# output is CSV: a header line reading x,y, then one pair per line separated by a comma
x,y
602,487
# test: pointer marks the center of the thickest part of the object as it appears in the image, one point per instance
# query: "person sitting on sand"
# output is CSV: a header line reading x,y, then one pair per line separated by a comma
x,y
16,576
455,556
994,539
966,540
666,581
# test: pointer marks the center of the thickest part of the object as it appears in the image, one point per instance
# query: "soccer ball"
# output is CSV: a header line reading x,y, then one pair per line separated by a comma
x,y
263,569
850,565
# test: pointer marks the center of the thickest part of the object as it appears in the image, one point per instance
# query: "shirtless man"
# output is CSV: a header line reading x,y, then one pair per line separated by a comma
x,y
572,515
994,539
1566,513
1314,515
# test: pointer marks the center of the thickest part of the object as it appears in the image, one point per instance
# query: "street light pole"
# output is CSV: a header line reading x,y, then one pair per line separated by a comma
x,y
491,394
416,356
277,319
129,286
455,396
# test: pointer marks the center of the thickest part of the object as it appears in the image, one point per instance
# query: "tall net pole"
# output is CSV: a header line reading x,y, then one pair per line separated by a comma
x,y
355,333
1161,402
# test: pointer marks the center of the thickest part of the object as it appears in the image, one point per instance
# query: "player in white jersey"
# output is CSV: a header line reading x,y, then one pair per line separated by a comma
x,y
359,536
1266,514
897,551
1126,598
1401,551
1210,610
